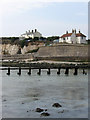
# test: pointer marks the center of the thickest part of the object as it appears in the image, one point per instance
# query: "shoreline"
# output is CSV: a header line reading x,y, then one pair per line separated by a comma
x,y
46,64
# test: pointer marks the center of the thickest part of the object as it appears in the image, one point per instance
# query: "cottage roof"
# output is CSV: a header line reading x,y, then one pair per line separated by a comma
x,y
80,34
30,33
66,35
69,34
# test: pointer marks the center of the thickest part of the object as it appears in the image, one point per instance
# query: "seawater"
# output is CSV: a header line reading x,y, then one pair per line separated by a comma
x,y
21,95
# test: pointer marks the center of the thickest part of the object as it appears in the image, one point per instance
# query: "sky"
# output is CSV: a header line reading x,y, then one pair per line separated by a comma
x,y
89,20
49,17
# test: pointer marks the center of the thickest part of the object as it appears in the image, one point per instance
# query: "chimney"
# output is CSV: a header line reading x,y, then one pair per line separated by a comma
x,y
66,32
75,30
32,31
79,30
35,30
72,31
26,32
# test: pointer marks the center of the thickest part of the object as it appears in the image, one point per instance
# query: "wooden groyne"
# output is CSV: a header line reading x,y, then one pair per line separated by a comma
x,y
48,70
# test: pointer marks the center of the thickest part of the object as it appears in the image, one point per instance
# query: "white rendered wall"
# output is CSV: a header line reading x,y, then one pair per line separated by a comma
x,y
80,40
83,40
32,35
73,38
60,39
68,39
24,36
37,34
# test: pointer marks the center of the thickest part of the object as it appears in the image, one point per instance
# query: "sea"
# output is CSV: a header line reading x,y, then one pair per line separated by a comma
x,y
21,95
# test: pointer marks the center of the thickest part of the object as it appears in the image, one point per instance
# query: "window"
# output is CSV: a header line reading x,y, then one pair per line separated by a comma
x,y
67,37
82,37
63,38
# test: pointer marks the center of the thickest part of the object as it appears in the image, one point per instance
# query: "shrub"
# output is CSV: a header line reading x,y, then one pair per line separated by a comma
x,y
35,50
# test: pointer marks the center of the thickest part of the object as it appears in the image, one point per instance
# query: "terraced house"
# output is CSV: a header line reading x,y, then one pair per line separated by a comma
x,y
73,37
30,34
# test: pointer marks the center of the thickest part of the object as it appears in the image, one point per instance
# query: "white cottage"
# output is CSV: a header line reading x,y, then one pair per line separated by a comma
x,y
31,34
73,37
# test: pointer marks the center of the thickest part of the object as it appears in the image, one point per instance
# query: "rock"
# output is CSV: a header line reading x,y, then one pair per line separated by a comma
x,y
22,103
4,100
45,109
61,111
9,49
35,98
45,114
39,110
56,105
28,48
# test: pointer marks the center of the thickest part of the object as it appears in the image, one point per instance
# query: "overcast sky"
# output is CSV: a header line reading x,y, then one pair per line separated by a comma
x,y
50,17
89,20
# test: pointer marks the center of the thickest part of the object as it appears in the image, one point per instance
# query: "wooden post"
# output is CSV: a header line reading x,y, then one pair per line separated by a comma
x,y
76,71
48,72
84,72
67,71
19,73
29,73
8,71
39,72
58,72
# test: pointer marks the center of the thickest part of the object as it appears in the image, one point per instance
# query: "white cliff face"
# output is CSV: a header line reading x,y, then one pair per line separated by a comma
x,y
13,49
8,49
28,48
0,49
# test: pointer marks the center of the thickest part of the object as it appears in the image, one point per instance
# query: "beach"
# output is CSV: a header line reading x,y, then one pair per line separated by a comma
x,y
21,95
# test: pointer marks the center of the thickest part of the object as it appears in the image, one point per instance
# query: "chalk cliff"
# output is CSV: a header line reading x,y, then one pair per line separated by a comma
x,y
9,49
28,48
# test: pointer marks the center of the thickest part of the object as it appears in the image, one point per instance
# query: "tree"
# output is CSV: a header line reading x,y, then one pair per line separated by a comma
x,y
23,43
88,41
52,38
36,39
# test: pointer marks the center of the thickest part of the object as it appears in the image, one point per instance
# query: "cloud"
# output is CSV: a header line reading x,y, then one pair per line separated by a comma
x,y
63,0
19,5
10,8
81,14
46,27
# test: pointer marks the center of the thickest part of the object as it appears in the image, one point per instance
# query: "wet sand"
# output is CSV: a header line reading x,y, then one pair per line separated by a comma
x,y
23,94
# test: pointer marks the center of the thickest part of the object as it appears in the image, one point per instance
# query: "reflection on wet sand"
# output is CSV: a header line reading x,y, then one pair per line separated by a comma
x,y
22,95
